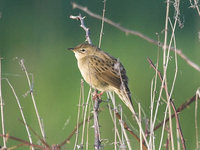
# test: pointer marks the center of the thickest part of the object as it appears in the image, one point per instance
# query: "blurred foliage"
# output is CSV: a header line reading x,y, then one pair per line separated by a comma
x,y
41,31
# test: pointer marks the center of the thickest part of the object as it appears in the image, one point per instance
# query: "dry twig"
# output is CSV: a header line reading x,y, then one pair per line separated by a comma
x,y
33,98
2,112
87,30
178,110
173,106
22,141
195,5
21,111
102,24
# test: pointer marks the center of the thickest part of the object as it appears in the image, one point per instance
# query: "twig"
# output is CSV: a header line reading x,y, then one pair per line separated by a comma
x,y
21,111
33,98
41,140
22,141
2,113
88,125
139,109
102,24
178,125
87,30
168,140
178,110
179,134
173,106
97,144
136,33
153,95
124,134
165,65
129,130
197,7
78,114
196,117
84,118
67,140
116,134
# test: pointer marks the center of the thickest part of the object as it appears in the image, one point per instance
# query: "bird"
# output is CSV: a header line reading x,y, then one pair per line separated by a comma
x,y
102,71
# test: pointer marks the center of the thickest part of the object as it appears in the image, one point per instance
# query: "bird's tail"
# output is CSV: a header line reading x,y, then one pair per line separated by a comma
x,y
125,96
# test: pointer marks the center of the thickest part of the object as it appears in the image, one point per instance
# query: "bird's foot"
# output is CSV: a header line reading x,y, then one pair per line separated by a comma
x,y
97,95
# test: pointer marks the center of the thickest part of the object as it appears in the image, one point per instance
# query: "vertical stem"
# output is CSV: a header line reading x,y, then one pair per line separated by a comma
x,y
78,115
165,72
22,114
196,118
102,24
33,99
85,114
97,143
2,114
139,109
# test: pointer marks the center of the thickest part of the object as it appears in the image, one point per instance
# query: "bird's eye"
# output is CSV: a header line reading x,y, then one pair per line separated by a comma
x,y
82,50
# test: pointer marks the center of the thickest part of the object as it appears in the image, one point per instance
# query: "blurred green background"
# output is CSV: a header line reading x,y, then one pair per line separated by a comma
x,y
40,31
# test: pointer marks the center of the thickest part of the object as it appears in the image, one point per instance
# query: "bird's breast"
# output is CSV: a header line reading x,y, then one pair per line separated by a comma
x,y
91,77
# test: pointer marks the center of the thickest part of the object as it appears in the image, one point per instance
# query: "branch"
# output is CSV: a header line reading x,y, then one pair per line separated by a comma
x,y
21,62
21,111
22,141
129,130
87,30
97,144
173,106
195,5
2,112
178,110
136,33
102,24
67,140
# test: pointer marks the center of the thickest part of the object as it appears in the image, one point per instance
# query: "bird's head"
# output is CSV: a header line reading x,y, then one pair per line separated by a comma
x,y
84,50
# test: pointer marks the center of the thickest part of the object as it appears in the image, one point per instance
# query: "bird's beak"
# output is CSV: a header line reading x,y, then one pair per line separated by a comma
x,y
71,49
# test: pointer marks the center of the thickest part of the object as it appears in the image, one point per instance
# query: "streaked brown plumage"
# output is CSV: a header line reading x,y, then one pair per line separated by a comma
x,y
102,71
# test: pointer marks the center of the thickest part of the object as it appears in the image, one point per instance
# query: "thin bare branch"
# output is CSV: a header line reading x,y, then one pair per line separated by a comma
x,y
33,98
41,140
196,118
102,24
139,109
78,113
21,111
116,133
97,144
22,141
87,30
67,140
175,112
2,112
125,138
136,33
84,117
178,110
129,130
196,6
178,125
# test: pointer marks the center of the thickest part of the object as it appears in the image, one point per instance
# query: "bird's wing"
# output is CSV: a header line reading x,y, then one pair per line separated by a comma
x,y
105,71
112,72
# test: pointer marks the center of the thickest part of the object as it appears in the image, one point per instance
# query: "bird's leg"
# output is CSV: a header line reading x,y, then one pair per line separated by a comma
x,y
97,95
